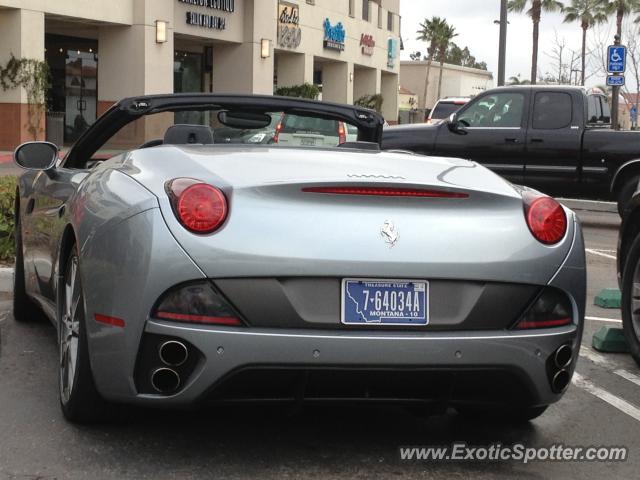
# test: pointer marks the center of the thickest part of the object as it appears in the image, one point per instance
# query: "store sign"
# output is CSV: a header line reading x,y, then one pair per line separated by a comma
x,y
368,44
289,32
206,20
223,5
392,53
334,36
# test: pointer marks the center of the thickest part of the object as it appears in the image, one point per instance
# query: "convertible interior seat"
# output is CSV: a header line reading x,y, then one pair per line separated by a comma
x,y
188,134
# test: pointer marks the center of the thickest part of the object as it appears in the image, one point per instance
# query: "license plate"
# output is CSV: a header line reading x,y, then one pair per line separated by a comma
x,y
308,142
385,302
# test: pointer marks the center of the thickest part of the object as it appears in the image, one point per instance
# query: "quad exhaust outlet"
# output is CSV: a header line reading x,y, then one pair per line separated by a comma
x,y
562,357
560,381
165,380
173,353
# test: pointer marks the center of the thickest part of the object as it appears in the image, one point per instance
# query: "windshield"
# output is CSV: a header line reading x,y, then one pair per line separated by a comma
x,y
444,110
207,128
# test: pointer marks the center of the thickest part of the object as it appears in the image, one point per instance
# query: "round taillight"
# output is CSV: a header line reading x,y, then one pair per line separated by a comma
x,y
202,208
546,219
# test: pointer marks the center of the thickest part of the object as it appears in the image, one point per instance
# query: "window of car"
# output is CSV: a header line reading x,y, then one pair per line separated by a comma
x,y
203,126
606,110
594,110
500,110
444,109
552,111
310,125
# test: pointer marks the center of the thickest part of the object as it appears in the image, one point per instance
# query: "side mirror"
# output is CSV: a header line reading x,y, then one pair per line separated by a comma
x,y
455,125
36,155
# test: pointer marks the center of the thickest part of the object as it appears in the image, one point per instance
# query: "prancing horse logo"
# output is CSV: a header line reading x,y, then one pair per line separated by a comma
x,y
389,233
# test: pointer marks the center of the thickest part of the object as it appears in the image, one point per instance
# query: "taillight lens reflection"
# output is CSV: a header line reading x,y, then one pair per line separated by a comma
x,y
551,309
196,303
545,217
342,133
200,208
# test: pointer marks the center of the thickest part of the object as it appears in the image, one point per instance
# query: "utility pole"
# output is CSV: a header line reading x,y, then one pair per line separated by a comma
x,y
615,97
502,56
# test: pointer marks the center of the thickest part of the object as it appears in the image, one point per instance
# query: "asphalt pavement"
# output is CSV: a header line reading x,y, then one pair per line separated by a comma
x,y
602,408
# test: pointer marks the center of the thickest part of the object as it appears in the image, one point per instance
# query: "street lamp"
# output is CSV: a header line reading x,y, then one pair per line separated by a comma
x,y
502,55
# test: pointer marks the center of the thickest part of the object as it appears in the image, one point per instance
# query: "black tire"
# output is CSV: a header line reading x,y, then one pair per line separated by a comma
x,y
81,403
24,309
630,269
626,192
501,415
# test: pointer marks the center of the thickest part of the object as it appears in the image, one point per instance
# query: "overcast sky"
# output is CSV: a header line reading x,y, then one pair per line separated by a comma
x,y
473,20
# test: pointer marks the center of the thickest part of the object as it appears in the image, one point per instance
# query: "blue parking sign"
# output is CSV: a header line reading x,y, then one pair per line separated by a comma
x,y
616,59
615,81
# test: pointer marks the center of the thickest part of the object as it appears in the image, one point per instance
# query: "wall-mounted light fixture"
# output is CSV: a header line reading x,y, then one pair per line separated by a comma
x,y
161,31
351,77
265,48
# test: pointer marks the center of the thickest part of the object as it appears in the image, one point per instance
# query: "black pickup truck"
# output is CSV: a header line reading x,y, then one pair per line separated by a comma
x,y
556,139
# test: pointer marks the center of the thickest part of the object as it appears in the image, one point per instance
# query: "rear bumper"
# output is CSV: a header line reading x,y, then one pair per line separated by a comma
x,y
226,351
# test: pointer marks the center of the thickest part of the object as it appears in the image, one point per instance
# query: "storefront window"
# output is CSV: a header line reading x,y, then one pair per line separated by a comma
x,y
188,78
187,72
74,82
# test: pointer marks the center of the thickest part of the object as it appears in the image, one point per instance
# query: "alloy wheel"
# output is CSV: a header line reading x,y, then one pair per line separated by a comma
x,y
70,328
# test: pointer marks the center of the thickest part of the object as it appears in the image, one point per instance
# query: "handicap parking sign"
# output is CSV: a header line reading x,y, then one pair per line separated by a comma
x,y
616,59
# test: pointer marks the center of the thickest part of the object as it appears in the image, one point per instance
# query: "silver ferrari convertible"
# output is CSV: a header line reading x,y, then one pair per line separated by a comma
x,y
179,271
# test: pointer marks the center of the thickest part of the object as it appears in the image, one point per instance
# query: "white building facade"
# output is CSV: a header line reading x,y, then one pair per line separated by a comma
x,y
101,51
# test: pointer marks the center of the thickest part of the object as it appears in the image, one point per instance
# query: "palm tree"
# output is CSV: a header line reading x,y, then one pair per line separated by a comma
x,y
620,8
588,13
427,33
516,81
444,36
535,12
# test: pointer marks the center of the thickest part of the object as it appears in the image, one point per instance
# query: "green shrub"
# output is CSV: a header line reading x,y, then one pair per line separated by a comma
x,y
306,90
7,227
373,102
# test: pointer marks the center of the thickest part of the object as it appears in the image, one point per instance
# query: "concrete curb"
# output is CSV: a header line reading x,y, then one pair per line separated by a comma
x,y
590,205
6,279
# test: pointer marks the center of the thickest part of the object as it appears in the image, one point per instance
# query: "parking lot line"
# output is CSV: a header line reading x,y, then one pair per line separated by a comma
x,y
628,376
613,400
601,319
596,252
601,360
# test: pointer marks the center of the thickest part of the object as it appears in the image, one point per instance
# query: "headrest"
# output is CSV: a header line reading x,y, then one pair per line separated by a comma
x,y
188,134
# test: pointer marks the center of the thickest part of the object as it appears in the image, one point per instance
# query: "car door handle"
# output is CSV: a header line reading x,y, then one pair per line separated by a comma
x,y
511,140
537,140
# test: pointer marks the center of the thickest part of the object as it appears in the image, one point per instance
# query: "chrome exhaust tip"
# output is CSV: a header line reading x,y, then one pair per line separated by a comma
x,y
560,381
165,380
173,353
563,356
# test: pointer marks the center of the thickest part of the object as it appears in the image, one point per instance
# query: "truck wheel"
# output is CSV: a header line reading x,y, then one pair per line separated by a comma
x,y
631,299
626,192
